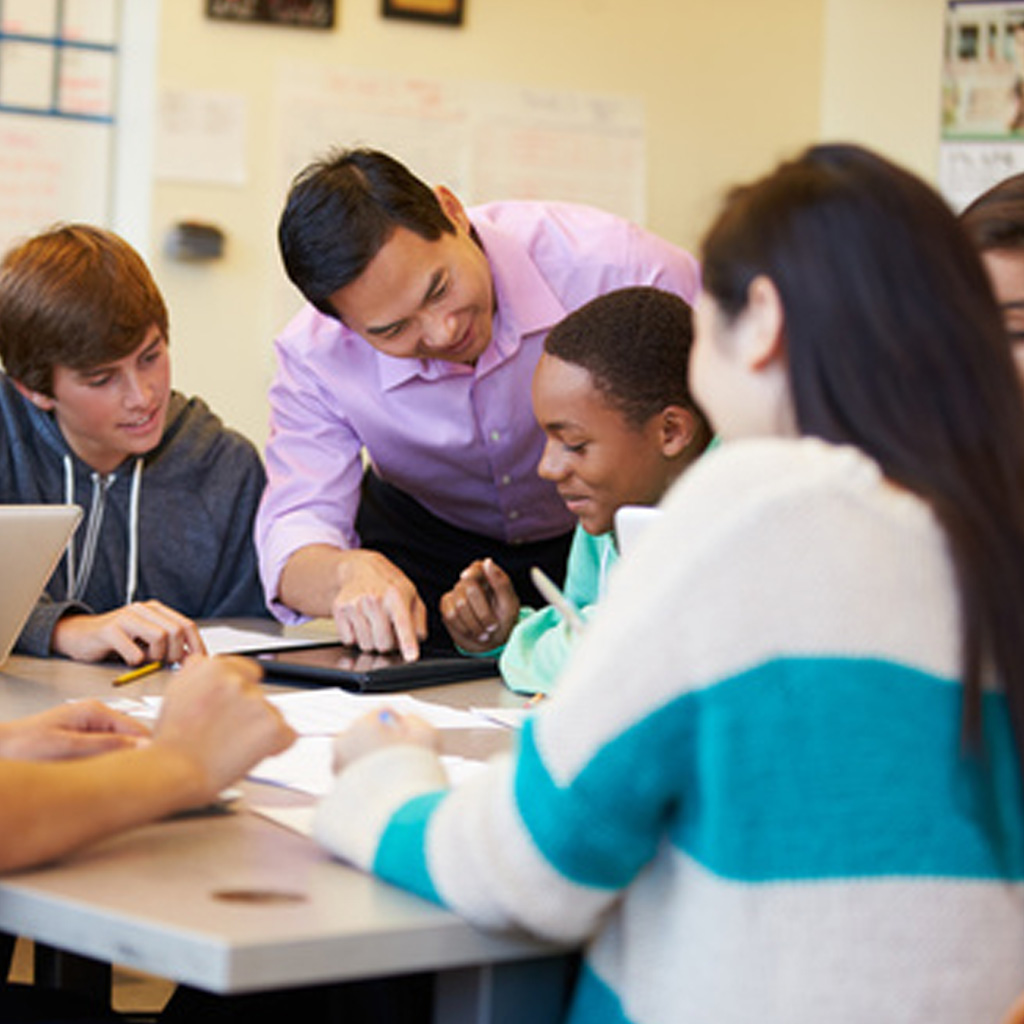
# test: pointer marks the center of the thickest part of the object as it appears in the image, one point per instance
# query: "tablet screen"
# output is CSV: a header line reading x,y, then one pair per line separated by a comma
x,y
368,672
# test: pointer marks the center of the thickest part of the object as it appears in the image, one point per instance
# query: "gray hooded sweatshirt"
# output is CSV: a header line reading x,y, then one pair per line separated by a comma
x,y
174,525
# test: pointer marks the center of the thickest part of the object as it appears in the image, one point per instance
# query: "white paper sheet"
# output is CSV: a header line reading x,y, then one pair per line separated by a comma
x,y
229,640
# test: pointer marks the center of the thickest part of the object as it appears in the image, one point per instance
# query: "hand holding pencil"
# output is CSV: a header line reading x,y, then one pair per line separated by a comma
x,y
145,631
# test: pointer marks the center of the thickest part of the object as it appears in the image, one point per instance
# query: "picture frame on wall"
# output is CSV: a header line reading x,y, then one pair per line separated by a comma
x,y
441,12
297,13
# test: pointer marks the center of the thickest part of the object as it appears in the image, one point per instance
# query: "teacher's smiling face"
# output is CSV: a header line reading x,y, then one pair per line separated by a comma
x,y
113,411
422,299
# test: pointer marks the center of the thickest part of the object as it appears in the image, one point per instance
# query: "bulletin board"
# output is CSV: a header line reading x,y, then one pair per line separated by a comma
x,y
982,97
58,96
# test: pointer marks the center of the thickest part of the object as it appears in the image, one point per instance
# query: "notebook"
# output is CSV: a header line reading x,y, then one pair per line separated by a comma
x,y
631,522
32,539
365,672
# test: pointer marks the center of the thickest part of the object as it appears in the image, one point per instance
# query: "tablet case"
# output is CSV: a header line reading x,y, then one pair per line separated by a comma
x,y
372,673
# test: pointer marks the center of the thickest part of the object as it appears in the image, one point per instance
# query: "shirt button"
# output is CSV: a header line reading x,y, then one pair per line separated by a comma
x,y
513,515
495,435
506,480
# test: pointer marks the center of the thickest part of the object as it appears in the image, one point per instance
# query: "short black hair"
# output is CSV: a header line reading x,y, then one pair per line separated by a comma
x,y
341,209
635,343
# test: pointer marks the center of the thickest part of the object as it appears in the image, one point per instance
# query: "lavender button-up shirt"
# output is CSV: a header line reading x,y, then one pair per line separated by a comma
x,y
461,440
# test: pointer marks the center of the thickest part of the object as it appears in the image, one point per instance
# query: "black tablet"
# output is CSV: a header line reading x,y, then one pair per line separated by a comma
x,y
365,672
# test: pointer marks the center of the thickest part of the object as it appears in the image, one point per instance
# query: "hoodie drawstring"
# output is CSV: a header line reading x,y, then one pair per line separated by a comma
x,y
133,534
77,580
69,499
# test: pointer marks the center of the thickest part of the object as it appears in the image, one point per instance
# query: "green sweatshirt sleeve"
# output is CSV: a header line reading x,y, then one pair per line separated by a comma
x,y
540,644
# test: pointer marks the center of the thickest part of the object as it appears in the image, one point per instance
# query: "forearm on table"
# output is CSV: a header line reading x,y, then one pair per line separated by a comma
x,y
311,578
49,809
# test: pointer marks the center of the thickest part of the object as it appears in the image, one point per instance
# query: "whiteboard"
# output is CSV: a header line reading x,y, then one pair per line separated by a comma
x,y
58,98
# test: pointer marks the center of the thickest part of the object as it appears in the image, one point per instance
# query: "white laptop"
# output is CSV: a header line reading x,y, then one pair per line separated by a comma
x,y
631,522
32,539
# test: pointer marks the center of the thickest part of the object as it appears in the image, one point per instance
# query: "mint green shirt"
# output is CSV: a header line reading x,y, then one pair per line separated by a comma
x,y
540,643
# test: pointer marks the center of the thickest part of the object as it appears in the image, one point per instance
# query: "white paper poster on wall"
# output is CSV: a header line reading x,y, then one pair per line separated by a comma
x,y
485,141
58,78
201,137
982,97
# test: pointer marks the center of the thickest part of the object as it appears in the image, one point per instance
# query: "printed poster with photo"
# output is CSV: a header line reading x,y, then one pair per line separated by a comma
x,y
982,97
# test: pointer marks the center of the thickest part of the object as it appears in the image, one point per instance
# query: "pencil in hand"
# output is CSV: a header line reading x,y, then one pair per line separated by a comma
x,y
557,600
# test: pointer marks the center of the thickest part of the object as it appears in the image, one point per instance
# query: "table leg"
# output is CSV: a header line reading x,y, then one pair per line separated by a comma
x,y
509,993
55,968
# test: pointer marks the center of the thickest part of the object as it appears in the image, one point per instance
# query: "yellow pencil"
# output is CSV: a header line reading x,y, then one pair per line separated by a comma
x,y
138,673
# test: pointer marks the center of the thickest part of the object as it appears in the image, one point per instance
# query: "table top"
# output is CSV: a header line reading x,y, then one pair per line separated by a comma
x,y
230,901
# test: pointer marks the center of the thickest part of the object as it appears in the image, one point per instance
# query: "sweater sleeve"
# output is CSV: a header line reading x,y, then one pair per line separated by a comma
x,y
546,839
539,646
655,711
37,634
536,652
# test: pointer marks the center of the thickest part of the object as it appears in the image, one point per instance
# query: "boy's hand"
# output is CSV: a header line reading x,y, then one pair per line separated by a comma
x,y
143,631
481,609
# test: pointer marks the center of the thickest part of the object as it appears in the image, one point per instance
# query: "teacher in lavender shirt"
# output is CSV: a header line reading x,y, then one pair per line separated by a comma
x,y
403,444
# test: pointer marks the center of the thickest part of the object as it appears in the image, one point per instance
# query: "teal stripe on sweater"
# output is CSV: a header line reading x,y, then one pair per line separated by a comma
x,y
401,853
593,1002
799,769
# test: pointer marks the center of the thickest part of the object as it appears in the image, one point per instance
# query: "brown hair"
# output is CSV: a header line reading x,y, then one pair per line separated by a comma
x,y
76,296
995,220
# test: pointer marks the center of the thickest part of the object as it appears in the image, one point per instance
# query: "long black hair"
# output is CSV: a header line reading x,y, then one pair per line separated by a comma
x,y
895,344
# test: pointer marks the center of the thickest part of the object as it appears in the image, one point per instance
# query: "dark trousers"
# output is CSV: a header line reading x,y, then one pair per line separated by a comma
x,y
432,552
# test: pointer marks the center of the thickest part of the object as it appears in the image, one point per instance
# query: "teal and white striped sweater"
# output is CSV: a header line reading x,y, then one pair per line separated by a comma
x,y
747,794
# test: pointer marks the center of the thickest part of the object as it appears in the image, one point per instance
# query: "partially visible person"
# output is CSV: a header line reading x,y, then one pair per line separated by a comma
x,y
81,771
88,416
995,223
424,325
610,392
781,777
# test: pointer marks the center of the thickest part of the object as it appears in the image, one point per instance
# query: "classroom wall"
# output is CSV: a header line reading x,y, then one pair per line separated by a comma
x,y
728,88
883,64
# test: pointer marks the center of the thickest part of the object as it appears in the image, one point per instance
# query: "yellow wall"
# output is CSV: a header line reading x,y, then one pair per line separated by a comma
x,y
883,61
728,88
